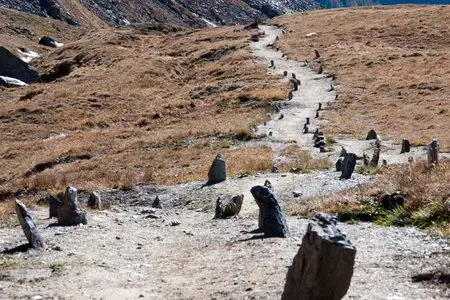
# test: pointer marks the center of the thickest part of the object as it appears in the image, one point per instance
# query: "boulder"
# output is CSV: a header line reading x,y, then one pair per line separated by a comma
x,y
271,219
251,26
323,267
348,166
50,42
28,226
432,152
228,206
217,172
157,203
69,212
94,200
13,67
11,82
371,135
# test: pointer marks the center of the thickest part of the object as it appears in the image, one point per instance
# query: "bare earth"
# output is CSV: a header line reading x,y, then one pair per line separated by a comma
x,y
125,252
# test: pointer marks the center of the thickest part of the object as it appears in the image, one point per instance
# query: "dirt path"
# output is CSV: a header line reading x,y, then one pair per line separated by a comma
x,y
130,251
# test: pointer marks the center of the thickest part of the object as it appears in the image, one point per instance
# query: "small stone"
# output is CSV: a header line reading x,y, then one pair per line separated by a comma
x,y
117,237
36,297
94,200
175,223
57,248
157,203
372,135
297,194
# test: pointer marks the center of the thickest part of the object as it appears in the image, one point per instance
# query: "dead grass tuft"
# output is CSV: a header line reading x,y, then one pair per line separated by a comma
x,y
300,160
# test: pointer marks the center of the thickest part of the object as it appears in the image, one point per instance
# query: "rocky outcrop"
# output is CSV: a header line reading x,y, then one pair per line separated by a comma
x,y
228,206
28,226
323,266
12,66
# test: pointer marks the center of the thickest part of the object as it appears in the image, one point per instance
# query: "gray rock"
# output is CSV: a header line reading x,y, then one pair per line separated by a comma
x,y
285,73
95,201
13,67
406,146
348,166
294,84
339,165
69,212
217,172
48,41
320,107
432,152
320,71
323,267
317,54
343,152
291,95
11,82
371,135
157,203
271,219
268,185
28,226
228,206
376,153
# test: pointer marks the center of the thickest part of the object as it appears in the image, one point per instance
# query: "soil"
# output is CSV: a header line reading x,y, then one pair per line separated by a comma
x,y
130,250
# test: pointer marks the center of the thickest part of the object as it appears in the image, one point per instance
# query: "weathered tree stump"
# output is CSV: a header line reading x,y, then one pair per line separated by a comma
x,y
217,172
53,206
228,206
376,153
432,153
348,166
339,165
406,146
157,203
69,212
317,54
294,85
371,135
271,220
323,267
94,200
28,226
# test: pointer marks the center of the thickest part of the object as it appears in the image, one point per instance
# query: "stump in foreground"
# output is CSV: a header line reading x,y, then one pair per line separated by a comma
x,y
323,266
29,228
348,166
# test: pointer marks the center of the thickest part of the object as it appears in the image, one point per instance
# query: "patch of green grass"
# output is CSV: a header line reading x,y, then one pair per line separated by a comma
x,y
368,170
329,140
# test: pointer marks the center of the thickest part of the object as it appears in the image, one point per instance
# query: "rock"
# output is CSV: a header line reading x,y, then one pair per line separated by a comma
x,y
251,26
254,37
271,220
365,159
323,149
217,172
307,121
294,85
285,73
320,107
317,114
406,146
371,135
175,223
323,266
11,82
53,206
50,42
384,163
157,203
69,212
305,129
293,76
29,228
95,200
320,71
432,153
343,152
228,206
281,117
275,169
296,194
13,67
376,153
348,166
268,185
331,88
291,95
390,201
339,165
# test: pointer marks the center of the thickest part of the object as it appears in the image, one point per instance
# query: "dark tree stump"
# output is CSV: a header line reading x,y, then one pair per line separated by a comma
x,y
371,135
69,212
228,206
348,166
271,220
323,266
339,165
29,228
217,172
94,200
376,153
406,146
432,153
53,206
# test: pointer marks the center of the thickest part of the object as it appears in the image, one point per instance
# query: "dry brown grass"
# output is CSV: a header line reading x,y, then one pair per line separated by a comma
x,y
301,160
391,62
138,108
426,192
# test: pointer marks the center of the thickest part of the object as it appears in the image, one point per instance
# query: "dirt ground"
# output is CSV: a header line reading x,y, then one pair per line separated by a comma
x,y
129,250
